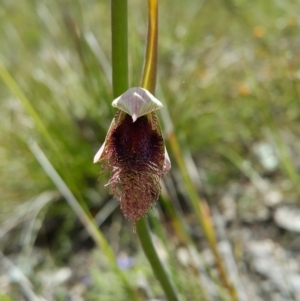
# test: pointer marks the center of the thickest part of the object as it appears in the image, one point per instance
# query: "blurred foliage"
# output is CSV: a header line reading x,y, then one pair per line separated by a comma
x,y
228,73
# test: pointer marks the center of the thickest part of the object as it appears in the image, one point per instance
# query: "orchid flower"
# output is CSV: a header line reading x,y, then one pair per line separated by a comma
x,y
134,152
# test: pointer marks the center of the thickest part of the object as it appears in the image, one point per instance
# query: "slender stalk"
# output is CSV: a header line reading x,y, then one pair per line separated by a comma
x,y
119,46
149,70
119,53
158,269
149,82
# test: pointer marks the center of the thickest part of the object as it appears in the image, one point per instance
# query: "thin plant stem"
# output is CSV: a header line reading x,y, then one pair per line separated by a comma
x,y
156,264
120,85
119,46
150,64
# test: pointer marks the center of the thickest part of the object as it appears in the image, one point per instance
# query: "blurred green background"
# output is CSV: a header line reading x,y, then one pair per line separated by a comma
x,y
228,75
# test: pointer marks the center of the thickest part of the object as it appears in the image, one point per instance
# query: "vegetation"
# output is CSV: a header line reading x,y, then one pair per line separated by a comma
x,y
228,77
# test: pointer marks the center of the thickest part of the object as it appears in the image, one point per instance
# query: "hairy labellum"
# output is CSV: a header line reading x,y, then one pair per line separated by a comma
x,y
135,154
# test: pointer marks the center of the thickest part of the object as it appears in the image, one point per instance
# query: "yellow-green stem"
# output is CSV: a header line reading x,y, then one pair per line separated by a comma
x,y
148,82
149,70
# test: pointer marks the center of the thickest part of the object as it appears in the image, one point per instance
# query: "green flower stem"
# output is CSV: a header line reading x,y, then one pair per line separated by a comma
x,y
120,61
119,47
157,266
120,85
149,82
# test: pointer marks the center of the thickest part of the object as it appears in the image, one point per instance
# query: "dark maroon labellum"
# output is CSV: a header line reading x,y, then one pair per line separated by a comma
x,y
134,153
